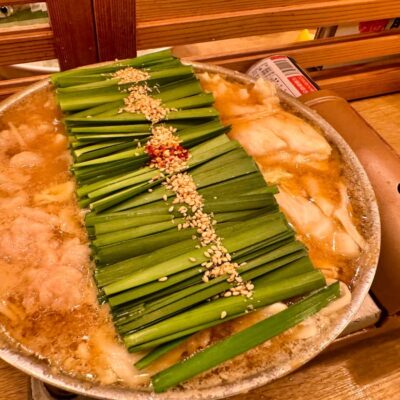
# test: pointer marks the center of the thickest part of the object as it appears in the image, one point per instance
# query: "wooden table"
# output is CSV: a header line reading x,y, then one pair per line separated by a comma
x,y
367,370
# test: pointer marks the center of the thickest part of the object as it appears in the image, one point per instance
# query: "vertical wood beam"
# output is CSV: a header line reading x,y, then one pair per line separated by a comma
x,y
74,31
116,28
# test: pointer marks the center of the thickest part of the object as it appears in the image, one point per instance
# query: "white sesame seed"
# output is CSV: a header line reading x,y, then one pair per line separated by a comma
x,y
250,286
130,75
187,198
163,279
223,314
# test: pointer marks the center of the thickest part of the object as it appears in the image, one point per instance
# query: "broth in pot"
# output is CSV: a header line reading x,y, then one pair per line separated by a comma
x,y
48,299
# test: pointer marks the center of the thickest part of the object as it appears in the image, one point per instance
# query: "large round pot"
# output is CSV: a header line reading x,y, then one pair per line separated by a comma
x,y
364,196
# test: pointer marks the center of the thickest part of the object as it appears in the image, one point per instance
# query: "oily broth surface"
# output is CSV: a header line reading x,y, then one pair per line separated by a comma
x,y
316,180
48,302
329,174
344,267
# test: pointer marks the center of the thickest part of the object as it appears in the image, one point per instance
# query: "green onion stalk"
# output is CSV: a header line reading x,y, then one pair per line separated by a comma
x,y
245,340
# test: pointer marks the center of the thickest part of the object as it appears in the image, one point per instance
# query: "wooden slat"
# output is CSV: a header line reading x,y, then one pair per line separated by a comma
x,y
28,45
203,28
23,28
361,67
115,27
150,10
313,53
364,84
10,86
15,2
236,46
74,32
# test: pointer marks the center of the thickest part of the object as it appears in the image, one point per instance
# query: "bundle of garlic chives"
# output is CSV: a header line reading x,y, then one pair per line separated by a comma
x,y
164,267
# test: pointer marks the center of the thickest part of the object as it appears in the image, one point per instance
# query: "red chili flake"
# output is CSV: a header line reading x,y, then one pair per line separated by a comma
x,y
160,151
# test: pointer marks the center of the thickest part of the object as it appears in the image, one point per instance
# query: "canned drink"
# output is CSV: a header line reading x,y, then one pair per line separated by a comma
x,y
285,73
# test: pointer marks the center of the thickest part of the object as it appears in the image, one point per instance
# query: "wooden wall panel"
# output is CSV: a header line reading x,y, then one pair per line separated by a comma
x,y
231,23
74,32
115,27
